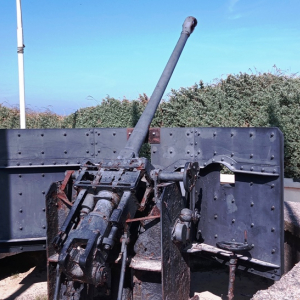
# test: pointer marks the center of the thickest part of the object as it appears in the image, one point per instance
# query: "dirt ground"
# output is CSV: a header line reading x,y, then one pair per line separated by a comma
x,y
24,276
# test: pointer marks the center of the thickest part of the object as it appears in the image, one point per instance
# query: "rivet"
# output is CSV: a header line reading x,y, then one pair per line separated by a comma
x,y
42,163
199,152
21,248
43,192
274,171
196,143
252,204
99,151
18,164
251,155
198,133
44,209
252,245
215,197
273,207
188,133
231,164
65,134
192,144
188,152
87,134
251,134
19,152
251,270
251,183
213,159
251,168
171,133
44,246
233,240
263,169
232,201
175,167
44,227
20,194
87,151
20,175
19,135
273,276
205,164
272,156
215,133
215,217
252,224
98,133
231,134
43,175
233,220
66,162
153,151
272,134
65,151
242,167
42,134
113,151
216,236
192,131
273,251
42,152
215,153
272,185
20,227
222,159
171,151
114,133
20,210
54,162
272,229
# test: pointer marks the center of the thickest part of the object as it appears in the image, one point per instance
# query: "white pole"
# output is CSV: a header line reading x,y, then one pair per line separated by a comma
x,y
20,52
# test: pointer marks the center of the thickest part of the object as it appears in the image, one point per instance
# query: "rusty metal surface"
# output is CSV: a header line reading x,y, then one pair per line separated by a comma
x,y
232,268
154,136
175,269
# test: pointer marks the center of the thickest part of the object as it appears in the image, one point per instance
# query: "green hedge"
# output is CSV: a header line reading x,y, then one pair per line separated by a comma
x,y
262,100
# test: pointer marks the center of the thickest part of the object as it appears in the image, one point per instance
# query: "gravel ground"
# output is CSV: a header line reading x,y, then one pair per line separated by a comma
x,y
24,276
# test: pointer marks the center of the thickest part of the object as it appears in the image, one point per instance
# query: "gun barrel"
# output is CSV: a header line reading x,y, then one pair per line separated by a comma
x,y
140,131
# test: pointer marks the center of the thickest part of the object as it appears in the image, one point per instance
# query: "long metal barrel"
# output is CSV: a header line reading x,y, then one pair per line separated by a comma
x,y
140,131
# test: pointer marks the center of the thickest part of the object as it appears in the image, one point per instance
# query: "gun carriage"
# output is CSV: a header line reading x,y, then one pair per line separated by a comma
x,y
120,226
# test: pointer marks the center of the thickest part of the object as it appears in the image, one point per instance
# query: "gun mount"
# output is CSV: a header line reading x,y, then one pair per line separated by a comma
x,y
122,227
110,197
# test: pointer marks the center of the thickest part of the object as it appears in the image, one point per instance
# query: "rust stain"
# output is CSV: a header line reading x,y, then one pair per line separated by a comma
x,y
142,219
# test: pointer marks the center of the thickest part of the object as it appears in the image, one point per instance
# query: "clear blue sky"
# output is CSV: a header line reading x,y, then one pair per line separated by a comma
x,y
80,50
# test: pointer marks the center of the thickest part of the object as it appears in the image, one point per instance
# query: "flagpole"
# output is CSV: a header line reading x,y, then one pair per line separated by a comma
x,y
20,52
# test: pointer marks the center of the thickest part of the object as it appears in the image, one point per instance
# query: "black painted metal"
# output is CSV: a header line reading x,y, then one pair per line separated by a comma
x,y
29,161
253,203
140,131
175,268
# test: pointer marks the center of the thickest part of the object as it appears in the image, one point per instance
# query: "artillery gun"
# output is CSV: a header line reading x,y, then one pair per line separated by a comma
x,y
122,227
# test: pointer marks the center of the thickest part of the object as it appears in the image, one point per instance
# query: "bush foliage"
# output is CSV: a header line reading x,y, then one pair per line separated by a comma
x,y
242,100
